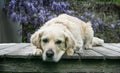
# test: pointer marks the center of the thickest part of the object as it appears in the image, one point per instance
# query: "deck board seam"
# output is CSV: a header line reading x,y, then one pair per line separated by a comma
x,y
108,57
104,56
111,49
115,45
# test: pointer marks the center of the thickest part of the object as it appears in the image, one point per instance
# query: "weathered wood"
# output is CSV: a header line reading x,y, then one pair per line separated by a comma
x,y
63,66
116,44
108,54
91,54
17,58
12,49
111,47
26,50
2,46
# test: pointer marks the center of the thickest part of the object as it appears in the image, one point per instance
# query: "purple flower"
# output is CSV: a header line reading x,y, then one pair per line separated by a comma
x,y
41,19
95,26
22,10
69,12
28,37
118,21
35,21
113,26
13,16
82,17
27,4
35,2
24,20
102,28
52,16
64,5
54,5
12,2
34,9
87,14
59,6
118,24
99,20
11,6
92,16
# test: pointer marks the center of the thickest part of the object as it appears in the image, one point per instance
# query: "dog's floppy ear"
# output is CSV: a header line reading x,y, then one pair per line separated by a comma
x,y
70,43
36,38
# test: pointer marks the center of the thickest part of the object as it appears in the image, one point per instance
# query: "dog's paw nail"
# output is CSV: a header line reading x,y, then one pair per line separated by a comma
x,y
88,47
38,53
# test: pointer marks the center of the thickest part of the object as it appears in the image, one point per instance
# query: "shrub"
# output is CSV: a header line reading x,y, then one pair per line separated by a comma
x,y
32,14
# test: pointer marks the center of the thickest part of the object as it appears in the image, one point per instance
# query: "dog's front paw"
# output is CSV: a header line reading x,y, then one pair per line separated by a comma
x,y
70,52
38,52
88,46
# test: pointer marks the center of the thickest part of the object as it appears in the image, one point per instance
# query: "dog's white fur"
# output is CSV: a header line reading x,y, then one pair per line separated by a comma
x,y
73,32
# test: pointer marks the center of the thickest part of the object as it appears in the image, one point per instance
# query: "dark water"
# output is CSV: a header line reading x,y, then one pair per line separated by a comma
x,y
63,66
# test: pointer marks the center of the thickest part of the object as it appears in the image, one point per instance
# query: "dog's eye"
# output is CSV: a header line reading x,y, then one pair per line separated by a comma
x,y
58,42
45,40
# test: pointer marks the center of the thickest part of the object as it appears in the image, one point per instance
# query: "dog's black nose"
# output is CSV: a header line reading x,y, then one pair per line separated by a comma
x,y
50,53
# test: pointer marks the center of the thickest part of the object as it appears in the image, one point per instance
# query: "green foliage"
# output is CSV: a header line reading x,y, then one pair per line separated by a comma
x,y
103,14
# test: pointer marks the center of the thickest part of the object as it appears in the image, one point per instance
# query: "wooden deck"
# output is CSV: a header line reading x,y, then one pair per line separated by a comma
x,y
24,50
15,57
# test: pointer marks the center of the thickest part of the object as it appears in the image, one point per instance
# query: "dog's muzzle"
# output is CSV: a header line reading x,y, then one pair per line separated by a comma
x,y
49,53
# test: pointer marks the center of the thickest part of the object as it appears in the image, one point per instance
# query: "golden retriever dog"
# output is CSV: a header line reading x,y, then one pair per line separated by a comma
x,y
63,34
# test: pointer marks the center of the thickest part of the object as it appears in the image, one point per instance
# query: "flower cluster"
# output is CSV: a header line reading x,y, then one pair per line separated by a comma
x,y
105,24
34,13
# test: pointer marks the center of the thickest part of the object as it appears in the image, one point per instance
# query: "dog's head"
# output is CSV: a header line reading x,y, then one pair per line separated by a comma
x,y
53,42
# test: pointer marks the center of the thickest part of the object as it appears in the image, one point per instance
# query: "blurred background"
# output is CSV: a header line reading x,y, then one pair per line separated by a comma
x,y
21,18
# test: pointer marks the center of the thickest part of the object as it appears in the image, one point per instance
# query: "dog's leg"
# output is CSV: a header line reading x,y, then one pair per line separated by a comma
x,y
97,41
79,47
88,44
88,38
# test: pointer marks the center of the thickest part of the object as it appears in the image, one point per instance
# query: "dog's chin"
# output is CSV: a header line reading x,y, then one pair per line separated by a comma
x,y
53,59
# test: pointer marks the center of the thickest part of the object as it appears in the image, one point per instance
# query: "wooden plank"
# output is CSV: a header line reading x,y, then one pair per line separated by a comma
x,y
29,50
63,66
91,54
26,51
88,54
116,44
111,47
109,54
5,45
12,49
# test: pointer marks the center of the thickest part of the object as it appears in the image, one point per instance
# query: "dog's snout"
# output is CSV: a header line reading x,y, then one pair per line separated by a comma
x,y
50,53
